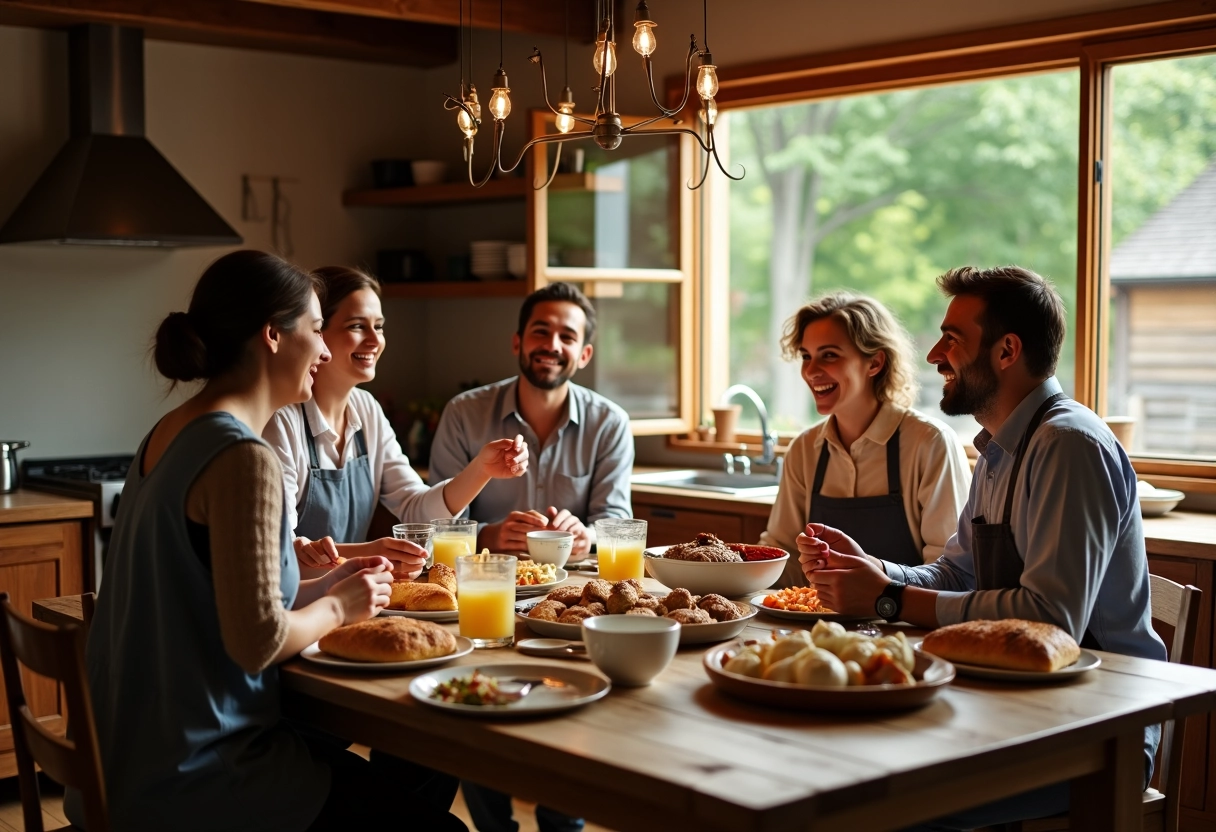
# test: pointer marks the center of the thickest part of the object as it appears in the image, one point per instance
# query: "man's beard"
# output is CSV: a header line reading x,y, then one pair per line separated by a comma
x,y
975,388
563,375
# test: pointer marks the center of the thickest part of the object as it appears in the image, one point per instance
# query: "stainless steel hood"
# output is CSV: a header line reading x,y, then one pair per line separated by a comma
x,y
108,185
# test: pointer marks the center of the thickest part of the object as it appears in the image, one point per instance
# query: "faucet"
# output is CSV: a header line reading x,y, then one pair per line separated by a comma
x,y
768,455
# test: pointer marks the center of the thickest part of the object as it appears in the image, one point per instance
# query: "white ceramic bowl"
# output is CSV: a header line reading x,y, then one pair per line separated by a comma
x,y
631,649
550,547
428,171
729,579
1159,501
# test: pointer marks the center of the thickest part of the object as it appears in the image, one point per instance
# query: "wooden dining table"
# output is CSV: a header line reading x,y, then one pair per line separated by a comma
x,y
678,754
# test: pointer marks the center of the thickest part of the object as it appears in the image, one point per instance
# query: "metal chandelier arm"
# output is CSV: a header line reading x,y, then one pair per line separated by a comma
x,y
654,96
497,143
450,103
539,140
718,159
557,161
539,60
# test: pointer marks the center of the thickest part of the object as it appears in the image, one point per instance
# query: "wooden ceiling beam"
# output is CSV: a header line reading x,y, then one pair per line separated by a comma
x,y
252,25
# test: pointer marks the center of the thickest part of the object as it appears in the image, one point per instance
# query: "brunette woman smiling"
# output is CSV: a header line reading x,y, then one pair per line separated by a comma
x,y
340,456
203,596
874,467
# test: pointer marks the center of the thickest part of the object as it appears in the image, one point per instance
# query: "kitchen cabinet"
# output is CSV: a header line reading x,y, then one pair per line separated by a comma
x,y
672,516
41,556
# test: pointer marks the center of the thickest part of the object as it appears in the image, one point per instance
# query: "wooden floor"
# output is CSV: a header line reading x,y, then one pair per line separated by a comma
x,y
52,809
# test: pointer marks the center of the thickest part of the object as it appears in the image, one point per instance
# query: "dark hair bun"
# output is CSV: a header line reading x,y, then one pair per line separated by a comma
x,y
179,353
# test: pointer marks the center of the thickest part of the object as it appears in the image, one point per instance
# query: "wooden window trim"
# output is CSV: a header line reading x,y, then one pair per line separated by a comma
x,y
1092,43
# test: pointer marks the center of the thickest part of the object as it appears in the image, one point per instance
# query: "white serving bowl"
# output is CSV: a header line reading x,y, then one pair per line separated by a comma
x,y
550,547
631,649
428,171
1159,501
699,578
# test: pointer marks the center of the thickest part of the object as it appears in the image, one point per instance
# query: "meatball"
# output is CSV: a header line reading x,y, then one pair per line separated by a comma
x,y
547,610
566,595
679,599
596,590
622,598
719,608
693,616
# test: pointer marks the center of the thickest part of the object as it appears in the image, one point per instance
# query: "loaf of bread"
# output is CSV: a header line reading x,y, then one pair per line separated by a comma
x,y
442,575
389,639
409,595
1013,644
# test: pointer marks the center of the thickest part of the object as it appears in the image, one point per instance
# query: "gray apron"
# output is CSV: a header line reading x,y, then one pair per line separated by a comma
x,y
879,523
339,502
994,551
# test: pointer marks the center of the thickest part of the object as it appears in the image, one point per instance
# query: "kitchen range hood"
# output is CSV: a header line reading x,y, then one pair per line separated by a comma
x,y
109,185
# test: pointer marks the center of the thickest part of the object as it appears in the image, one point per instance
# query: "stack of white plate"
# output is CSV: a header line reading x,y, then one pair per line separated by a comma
x,y
517,259
489,258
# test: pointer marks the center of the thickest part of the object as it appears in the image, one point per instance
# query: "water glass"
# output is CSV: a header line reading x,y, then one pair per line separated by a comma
x,y
485,586
619,544
420,533
454,537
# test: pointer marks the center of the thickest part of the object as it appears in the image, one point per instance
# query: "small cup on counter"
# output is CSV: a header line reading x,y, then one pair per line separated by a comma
x,y
550,546
631,649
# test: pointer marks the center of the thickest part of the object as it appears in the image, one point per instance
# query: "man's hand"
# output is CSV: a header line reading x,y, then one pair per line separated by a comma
x,y
504,458
511,535
818,540
564,521
316,554
847,583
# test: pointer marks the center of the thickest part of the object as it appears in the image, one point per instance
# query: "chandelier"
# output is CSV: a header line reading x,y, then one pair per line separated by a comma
x,y
605,126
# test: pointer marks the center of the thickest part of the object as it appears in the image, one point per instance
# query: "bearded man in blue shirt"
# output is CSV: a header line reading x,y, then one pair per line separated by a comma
x,y
1051,530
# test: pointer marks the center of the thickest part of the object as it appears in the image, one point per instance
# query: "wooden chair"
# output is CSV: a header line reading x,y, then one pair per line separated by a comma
x,y
56,653
1177,606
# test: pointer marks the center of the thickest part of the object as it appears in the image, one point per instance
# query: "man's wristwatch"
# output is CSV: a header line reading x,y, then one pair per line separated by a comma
x,y
891,602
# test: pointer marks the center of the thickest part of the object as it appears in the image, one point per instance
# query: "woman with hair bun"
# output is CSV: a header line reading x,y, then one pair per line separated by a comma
x,y
341,457
891,477
203,596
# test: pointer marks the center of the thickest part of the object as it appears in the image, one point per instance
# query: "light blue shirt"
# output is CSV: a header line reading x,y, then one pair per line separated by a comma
x,y
1076,523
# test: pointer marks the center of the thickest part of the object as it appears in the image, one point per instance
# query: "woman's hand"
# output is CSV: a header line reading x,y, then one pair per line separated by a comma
x,y
316,554
503,458
362,587
407,558
848,584
564,521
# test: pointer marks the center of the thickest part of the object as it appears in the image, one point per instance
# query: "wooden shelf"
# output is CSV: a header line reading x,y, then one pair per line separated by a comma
x,y
447,192
457,289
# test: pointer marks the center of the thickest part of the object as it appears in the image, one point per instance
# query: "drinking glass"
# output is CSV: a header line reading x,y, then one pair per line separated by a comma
x,y
454,537
421,533
620,543
485,585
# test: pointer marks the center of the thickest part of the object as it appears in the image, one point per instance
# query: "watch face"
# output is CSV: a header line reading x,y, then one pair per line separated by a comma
x,y
886,607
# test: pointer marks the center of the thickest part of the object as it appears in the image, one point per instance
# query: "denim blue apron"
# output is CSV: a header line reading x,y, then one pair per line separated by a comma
x,y
339,501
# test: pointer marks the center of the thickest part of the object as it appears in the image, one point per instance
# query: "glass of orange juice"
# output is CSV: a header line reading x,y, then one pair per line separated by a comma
x,y
620,543
454,537
485,585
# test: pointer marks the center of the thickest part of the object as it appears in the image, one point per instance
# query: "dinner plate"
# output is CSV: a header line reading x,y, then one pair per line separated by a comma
x,y
931,673
541,589
1087,662
314,653
689,633
798,615
426,615
572,688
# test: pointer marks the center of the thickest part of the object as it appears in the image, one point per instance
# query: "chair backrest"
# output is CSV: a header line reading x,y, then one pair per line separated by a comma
x,y
1177,606
72,760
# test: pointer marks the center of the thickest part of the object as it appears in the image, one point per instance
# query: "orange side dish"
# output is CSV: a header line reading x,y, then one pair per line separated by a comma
x,y
796,598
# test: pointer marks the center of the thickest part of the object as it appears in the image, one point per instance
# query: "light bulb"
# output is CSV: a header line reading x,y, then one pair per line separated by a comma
x,y
710,113
604,59
466,124
500,103
644,41
707,81
473,102
564,120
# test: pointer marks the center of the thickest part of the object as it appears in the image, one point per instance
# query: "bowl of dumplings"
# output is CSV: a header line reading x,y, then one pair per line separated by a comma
x,y
828,668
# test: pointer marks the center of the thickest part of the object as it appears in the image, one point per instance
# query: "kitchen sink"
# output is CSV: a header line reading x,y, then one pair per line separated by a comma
x,y
750,485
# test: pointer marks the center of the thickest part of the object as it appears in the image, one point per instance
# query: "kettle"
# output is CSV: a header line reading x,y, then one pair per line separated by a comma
x,y
8,465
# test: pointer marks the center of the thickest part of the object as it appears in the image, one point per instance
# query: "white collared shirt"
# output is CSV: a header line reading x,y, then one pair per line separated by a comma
x,y
400,489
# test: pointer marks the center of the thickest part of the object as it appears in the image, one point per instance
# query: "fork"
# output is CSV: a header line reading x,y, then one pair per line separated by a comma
x,y
527,685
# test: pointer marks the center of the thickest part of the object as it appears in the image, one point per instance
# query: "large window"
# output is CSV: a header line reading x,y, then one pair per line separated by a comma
x,y
880,194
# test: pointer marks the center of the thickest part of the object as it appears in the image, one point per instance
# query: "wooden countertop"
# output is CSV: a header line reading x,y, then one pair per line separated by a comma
x,y
25,506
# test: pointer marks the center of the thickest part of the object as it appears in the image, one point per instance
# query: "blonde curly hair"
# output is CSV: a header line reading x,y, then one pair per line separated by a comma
x,y
872,329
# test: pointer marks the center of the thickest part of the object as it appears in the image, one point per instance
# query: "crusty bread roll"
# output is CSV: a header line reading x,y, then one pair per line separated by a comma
x,y
442,575
1013,644
409,595
389,640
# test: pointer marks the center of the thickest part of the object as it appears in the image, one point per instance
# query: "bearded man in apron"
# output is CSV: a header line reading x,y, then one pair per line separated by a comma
x,y
1051,530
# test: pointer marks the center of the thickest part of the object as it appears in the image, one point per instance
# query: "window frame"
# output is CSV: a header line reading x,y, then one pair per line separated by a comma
x,y
1092,44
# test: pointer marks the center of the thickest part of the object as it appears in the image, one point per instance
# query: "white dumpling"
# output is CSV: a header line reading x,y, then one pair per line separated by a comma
x,y
783,670
746,663
825,633
856,675
899,648
788,646
858,650
819,667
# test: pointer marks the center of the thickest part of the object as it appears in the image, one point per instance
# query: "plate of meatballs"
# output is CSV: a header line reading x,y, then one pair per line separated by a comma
x,y
703,618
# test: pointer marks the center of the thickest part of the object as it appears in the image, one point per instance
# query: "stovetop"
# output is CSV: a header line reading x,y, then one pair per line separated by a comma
x,y
77,470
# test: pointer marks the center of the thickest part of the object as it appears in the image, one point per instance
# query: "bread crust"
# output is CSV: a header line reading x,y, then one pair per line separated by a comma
x,y
410,595
1013,644
442,575
390,639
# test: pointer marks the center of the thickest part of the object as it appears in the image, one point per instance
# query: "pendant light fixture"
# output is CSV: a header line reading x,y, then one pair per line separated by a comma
x,y
605,126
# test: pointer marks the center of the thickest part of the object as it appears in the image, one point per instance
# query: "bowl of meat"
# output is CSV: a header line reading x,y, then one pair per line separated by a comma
x,y
707,565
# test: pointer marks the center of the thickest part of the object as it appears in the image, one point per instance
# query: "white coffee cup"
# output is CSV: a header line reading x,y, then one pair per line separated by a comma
x,y
631,649
550,547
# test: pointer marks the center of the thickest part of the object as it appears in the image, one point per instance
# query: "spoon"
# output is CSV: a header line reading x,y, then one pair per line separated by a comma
x,y
557,648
